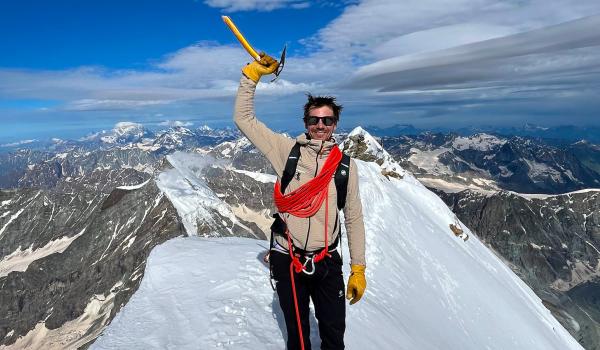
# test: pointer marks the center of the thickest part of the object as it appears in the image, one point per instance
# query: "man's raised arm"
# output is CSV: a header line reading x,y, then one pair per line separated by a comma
x,y
269,143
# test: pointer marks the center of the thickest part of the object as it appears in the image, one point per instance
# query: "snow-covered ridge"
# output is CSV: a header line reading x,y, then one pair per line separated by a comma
x,y
427,289
544,196
373,151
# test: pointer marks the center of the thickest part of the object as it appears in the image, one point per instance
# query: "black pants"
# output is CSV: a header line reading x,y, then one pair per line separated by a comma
x,y
325,287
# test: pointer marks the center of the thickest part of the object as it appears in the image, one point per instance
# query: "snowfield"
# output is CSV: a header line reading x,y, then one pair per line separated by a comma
x,y
427,289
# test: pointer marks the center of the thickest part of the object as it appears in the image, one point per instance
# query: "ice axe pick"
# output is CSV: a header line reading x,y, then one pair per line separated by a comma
x,y
249,47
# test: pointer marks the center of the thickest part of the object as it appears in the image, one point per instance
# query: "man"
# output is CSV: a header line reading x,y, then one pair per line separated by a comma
x,y
308,216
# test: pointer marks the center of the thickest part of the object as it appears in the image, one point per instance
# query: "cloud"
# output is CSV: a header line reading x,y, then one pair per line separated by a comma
x,y
18,143
470,53
172,123
512,58
256,5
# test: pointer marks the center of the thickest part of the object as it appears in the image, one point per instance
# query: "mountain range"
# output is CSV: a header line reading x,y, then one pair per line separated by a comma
x,y
79,219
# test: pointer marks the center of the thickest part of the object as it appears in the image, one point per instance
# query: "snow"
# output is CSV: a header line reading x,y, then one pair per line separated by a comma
x,y
226,148
122,130
480,142
504,172
544,196
11,219
133,187
538,171
261,177
429,161
19,260
427,289
535,246
192,198
453,187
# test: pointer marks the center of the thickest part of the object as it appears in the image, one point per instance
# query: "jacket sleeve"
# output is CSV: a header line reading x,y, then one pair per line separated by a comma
x,y
274,146
353,216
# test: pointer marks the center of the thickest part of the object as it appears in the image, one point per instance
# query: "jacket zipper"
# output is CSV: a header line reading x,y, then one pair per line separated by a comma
x,y
314,175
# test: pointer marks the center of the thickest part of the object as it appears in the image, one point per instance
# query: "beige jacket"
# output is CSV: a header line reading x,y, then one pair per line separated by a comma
x,y
307,233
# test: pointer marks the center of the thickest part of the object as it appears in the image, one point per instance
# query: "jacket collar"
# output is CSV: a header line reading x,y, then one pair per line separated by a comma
x,y
316,145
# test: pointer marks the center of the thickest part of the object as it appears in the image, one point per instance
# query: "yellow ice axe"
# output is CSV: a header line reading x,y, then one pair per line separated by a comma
x,y
249,47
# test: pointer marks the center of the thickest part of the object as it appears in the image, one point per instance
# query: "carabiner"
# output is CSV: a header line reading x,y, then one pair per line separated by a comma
x,y
313,266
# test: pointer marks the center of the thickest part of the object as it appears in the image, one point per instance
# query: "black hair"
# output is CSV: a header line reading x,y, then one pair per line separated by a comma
x,y
320,101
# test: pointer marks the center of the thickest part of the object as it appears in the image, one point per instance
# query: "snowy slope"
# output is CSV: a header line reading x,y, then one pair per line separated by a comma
x,y
195,202
426,289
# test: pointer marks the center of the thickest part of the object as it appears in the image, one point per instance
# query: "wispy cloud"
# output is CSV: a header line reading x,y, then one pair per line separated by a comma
x,y
256,5
497,61
172,123
18,143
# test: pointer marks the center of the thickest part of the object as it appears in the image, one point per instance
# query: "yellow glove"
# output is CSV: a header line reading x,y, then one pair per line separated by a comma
x,y
356,284
257,69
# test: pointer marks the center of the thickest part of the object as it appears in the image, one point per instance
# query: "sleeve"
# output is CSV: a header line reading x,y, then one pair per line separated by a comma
x,y
354,219
274,146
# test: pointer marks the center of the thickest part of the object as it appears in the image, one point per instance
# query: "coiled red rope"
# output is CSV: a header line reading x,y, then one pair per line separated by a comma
x,y
304,202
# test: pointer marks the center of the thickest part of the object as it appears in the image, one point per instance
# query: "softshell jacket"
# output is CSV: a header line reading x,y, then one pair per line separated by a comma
x,y
306,233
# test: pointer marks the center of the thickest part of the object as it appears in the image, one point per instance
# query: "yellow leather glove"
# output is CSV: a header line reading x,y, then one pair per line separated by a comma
x,y
255,70
356,284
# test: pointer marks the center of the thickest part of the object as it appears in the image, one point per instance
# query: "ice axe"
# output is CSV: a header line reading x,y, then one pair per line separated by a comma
x,y
249,47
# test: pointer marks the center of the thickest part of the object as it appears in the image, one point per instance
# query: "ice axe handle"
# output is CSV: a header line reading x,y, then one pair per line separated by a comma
x,y
241,38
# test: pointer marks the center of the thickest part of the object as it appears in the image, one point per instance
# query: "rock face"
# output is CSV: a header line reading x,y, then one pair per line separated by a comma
x,y
551,242
77,223
70,261
14,165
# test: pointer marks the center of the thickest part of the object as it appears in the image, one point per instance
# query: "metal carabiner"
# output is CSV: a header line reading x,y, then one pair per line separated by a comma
x,y
312,263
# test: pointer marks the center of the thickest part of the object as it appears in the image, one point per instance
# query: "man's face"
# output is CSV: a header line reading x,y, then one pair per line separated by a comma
x,y
320,131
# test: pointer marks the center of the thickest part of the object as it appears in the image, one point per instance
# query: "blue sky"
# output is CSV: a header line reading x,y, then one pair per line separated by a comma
x,y
70,67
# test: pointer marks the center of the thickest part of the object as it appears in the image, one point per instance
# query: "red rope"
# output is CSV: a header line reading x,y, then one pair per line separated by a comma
x,y
304,202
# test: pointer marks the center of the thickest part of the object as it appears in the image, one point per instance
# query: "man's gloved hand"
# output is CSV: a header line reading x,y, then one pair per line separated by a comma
x,y
356,284
257,69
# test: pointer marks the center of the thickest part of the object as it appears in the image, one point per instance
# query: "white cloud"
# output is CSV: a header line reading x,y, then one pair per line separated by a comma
x,y
256,5
172,123
497,60
104,105
188,74
18,143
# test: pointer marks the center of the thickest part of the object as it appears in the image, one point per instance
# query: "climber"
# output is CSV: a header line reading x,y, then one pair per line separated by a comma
x,y
304,258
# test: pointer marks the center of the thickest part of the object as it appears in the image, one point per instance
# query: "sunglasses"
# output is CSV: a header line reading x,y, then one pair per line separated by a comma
x,y
328,121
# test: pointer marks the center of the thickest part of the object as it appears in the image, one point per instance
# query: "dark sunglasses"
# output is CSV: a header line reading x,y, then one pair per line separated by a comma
x,y
328,121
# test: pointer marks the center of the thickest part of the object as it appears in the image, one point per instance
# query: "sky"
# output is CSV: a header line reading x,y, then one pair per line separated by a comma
x,y
68,68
